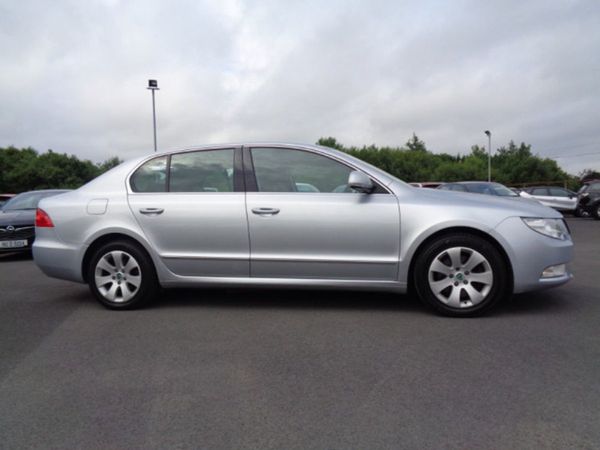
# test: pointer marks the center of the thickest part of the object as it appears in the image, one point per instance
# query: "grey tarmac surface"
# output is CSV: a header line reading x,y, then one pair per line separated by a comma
x,y
284,369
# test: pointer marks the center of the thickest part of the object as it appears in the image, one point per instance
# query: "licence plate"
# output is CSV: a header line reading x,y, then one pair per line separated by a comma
x,y
13,244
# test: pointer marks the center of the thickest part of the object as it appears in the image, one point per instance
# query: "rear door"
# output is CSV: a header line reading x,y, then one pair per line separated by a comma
x,y
191,208
562,199
305,222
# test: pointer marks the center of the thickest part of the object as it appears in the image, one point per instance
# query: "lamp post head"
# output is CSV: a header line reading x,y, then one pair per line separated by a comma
x,y
153,84
488,133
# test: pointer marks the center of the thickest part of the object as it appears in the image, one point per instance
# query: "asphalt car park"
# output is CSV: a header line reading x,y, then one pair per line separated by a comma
x,y
298,369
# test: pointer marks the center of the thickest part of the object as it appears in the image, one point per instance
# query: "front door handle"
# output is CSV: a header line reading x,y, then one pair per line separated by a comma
x,y
265,211
152,211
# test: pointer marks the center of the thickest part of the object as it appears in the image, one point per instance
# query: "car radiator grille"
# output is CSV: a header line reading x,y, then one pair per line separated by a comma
x,y
19,232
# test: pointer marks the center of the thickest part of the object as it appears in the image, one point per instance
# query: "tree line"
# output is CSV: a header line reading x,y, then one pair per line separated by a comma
x,y
513,165
25,169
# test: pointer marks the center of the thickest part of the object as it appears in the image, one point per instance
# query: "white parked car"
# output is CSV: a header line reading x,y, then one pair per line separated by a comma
x,y
558,198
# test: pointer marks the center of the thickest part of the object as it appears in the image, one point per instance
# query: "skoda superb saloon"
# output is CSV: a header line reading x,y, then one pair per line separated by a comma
x,y
296,216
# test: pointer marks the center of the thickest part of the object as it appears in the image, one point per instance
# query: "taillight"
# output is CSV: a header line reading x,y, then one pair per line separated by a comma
x,y
42,219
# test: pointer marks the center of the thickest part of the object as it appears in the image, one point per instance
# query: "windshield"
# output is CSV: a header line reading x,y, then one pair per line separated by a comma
x,y
27,200
490,189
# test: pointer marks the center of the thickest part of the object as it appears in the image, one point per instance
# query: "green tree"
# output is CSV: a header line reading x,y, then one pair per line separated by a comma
x,y
25,169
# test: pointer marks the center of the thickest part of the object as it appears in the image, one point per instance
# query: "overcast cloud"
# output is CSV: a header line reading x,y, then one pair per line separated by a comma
x,y
73,74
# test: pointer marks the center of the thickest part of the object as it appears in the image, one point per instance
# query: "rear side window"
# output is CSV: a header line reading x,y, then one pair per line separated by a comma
x,y
594,187
151,176
202,171
558,192
539,191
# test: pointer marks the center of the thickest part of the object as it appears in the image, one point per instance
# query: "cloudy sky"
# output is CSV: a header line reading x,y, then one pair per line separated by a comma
x,y
73,74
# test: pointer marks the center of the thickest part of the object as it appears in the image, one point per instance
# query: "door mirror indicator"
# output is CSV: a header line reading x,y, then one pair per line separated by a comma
x,y
360,182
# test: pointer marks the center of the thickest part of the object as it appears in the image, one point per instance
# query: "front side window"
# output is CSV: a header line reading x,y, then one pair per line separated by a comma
x,y
151,176
202,171
287,170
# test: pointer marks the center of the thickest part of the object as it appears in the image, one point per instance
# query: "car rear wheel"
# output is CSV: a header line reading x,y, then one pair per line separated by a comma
x,y
121,276
461,275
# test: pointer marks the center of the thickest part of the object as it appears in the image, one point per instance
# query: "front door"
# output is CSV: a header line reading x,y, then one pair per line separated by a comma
x,y
305,222
191,208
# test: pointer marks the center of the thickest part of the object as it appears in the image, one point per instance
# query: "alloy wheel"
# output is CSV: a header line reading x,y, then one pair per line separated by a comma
x,y
460,277
118,276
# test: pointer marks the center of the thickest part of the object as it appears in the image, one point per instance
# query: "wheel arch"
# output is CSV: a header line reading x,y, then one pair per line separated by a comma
x,y
104,239
461,230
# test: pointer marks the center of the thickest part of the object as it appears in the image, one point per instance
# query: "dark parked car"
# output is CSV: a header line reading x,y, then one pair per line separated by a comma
x,y
479,187
588,200
4,198
17,219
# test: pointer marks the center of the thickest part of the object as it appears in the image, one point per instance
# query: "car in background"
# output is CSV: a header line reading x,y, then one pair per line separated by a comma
x,y
17,220
555,197
427,184
588,200
232,215
4,198
479,187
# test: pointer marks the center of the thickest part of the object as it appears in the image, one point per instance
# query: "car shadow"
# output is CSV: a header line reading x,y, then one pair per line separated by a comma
x,y
288,299
540,302
15,256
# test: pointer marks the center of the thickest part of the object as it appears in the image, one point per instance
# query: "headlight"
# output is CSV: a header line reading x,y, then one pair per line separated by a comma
x,y
554,228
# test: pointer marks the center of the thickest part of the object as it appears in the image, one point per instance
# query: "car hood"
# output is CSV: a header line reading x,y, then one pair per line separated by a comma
x,y
17,217
511,206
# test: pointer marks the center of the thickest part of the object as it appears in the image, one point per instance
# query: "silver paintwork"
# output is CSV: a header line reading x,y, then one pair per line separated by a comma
x,y
118,276
449,277
304,239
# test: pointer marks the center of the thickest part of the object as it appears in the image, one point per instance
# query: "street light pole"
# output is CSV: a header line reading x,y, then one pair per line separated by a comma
x,y
489,135
153,86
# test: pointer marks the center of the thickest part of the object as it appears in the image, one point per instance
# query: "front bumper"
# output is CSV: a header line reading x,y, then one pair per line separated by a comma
x,y
531,253
16,234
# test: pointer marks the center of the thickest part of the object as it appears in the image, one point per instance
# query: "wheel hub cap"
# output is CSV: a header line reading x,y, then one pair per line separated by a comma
x,y
460,277
117,276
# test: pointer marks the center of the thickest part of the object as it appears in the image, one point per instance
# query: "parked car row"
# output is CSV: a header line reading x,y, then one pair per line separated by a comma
x,y
585,202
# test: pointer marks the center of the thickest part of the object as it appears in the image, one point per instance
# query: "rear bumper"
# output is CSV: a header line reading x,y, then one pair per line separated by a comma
x,y
57,259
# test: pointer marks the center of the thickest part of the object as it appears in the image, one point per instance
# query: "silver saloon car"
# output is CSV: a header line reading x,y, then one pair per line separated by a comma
x,y
237,215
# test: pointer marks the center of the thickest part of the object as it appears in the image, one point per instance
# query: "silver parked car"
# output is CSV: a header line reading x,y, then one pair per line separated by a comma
x,y
556,197
238,215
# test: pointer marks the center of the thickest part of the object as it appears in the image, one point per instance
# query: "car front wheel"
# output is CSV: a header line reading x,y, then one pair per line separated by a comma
x,y
461,275
121,276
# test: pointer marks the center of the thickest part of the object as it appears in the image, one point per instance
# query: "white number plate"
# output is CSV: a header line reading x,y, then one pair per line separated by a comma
x,y
13,244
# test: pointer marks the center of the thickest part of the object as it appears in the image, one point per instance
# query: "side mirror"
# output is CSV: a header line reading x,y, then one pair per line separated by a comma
x,y
360,182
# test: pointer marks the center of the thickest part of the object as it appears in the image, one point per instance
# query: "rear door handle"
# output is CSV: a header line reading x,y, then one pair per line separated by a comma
x,y
265,211
152,211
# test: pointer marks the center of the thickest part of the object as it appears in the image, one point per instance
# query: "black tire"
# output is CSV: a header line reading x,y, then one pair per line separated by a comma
x,y
127,295
596,211
578,211
491,293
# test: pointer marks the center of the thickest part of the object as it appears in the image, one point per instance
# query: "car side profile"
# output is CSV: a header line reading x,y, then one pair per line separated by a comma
x,y
298,216
553,196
